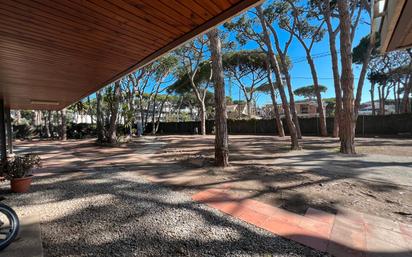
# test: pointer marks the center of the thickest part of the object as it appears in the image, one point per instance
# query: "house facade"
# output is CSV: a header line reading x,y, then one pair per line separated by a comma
x,y
366,108
239,111
305,109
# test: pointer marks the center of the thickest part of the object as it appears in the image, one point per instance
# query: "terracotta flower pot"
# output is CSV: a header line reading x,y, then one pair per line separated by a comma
x,y
21,185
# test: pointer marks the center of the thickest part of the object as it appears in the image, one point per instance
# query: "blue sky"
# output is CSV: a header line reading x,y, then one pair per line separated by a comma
x,y
300,72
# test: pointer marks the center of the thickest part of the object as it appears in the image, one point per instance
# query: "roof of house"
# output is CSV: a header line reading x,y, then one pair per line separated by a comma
x,y
309,102
231,108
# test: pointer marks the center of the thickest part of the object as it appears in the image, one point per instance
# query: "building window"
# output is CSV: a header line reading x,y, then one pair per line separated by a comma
x,y
304,109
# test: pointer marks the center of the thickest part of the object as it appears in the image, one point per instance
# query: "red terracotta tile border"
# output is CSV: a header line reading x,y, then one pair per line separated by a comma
x,y
320,215
348,233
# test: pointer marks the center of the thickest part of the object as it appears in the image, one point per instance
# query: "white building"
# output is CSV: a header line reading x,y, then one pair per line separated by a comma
x,y
366,108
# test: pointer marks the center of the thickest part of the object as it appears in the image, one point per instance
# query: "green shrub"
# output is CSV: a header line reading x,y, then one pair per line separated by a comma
x,y
20,166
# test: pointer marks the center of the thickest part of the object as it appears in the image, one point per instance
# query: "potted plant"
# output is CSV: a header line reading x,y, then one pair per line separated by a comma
x,y
18,170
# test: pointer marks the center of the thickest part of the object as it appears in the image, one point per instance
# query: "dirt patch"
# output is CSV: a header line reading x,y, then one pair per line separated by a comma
x,y
186,163
289,188
296,191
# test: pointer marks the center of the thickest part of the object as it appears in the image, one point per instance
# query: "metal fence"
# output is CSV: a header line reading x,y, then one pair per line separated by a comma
x,y
396,124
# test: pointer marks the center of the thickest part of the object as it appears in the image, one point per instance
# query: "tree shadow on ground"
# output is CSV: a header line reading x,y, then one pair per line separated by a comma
x,y
140,221
75,179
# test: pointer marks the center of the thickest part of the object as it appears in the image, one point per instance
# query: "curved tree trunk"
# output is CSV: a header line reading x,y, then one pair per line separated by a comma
x,y
221,137
179,108
284,69
63,125
99,117
202,107
395,97
89,110
321,112
362,76
292,105
405,106
275,67
279,123
249,108
17,117
153,117
111,133
202,116
46,124
382,100
49,122
157,123
285,72
398,98
335,69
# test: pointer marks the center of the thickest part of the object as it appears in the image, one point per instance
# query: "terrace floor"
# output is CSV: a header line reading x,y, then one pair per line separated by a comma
x,y
137,199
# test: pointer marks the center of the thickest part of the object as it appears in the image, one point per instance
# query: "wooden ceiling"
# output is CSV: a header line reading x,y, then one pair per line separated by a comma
x,y
54,53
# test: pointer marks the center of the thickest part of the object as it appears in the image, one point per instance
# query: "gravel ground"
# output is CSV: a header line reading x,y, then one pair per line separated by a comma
x,y
111,212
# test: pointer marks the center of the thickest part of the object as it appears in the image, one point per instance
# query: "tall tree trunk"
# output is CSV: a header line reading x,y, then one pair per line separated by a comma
x,y
395,98
111,134
157,124
142,115
284,68
63,125
202,107
321,111
192,116
153,117
335,69
405,99
373,98
18,117
382,100
398,98
90,110
336,121
33,118
49,122
276,69
99,117
362,76
295,117
279,123
180,101
249,108
131,110
57,122
46,124
348,113
221,137
202,116
278,119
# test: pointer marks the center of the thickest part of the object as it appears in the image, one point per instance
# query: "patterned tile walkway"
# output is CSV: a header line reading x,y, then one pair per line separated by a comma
x,y
348,233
